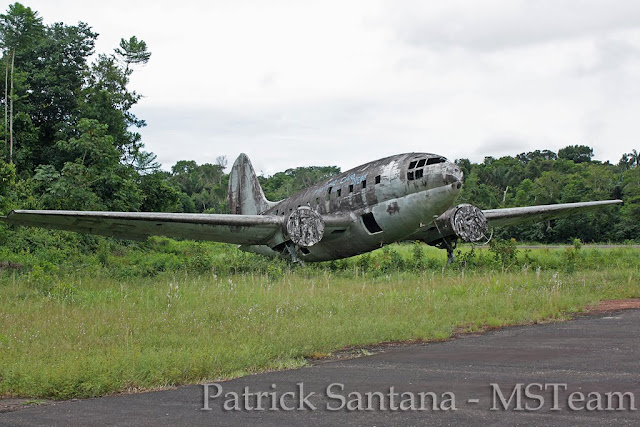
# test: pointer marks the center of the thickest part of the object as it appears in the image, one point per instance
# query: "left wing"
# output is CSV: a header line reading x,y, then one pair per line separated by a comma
x,y
474,222
237,229
514,216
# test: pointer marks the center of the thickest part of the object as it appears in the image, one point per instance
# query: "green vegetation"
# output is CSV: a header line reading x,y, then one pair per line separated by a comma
x,y
542,177
187,312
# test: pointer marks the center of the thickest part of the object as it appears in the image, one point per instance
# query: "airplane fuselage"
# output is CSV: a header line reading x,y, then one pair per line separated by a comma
x,y
388,200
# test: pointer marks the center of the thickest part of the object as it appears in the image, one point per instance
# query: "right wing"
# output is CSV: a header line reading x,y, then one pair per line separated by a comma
x,y
237,229
226,228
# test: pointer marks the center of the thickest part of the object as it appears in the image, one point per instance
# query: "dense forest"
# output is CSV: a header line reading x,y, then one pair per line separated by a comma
x,y
71,141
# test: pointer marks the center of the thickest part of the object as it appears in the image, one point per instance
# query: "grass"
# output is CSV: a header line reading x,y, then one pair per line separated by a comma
x,y
93,336
169,313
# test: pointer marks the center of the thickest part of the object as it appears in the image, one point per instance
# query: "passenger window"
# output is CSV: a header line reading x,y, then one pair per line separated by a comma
x,y
364,183
339,192
329,193
378,179
350,188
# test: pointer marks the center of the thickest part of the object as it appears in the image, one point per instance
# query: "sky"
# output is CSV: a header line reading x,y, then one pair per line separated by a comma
x,y
304,83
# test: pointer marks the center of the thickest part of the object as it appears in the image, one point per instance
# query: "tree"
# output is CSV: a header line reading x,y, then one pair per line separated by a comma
x,y
465,166
133,51
478,193
7,181
146,163
55,78
629,160
94,178
48,73
287,183
106,98
204,187
94,147
537,154
576,153
628,227
78,146
159,195
20,29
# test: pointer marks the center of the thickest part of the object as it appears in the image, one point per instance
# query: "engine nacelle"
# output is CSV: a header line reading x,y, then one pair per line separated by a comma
x,y
305,226
464,221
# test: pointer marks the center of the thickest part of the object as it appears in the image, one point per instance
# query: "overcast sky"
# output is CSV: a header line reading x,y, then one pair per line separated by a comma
x,y
301,83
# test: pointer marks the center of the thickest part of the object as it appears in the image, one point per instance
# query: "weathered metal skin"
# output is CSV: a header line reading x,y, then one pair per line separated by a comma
x,y
238,229
514,216
377,193
245,196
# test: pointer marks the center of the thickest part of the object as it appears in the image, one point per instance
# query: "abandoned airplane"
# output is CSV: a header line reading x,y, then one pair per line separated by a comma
x,y
406,197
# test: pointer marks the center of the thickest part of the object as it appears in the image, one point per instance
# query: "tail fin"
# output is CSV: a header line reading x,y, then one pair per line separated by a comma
x,y
245,195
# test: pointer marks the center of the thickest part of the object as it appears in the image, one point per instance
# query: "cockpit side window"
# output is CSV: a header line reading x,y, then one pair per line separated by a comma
x,y
435,160
413,172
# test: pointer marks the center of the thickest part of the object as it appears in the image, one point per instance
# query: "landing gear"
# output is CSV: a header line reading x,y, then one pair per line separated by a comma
x,y
292,250
449,246
450,257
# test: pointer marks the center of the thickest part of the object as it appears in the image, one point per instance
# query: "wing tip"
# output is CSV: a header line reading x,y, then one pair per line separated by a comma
x,y
612,202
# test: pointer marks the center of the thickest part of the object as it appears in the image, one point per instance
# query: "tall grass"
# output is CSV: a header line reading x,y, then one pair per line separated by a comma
x,y
88,316
79,336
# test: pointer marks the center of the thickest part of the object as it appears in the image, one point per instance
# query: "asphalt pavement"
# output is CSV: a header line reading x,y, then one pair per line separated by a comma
x,y
584,371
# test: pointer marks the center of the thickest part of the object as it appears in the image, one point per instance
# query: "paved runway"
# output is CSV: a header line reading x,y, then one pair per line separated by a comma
x,y
551,374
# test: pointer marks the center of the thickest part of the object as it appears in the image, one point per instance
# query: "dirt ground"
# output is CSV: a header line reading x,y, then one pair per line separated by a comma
x,y
615,305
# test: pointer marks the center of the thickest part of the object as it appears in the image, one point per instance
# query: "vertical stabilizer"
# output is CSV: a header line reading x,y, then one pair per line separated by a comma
x,y
245,193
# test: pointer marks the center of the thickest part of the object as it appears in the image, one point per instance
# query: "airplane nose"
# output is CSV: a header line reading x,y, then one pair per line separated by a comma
x,y
453,175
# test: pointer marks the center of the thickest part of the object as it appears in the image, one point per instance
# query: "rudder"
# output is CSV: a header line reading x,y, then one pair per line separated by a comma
x,y
245,195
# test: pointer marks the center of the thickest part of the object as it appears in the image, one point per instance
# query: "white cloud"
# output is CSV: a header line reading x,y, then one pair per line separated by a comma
x,y
340,83
502,24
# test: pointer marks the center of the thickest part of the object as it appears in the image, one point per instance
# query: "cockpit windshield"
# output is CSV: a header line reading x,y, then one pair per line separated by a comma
x,y
416,171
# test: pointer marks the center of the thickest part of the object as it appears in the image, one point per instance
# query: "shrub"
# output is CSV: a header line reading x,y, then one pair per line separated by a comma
x,y
505,251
